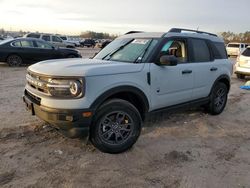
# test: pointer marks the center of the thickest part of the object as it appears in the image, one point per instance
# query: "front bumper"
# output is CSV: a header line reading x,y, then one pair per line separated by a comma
x,y
70,122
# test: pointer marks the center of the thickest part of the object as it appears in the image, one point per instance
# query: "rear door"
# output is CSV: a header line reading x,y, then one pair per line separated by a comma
x,y
208,58
28,51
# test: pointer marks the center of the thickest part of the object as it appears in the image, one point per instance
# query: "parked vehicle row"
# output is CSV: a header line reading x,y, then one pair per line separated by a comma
x,y
20,51
235,49
53,39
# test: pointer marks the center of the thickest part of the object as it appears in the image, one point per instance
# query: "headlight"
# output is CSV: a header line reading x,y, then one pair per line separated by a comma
x,y
66,88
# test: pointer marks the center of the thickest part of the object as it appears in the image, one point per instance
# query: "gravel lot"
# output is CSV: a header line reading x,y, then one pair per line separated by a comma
x,y
184,149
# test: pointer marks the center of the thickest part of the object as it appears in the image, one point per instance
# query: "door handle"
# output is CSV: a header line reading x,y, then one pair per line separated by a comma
x,y
213,69
187,72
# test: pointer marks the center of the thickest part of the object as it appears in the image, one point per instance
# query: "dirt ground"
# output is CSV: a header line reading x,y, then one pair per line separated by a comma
x,y
184,149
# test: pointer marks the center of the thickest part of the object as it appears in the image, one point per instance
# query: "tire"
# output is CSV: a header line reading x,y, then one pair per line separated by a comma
x,y
218,99
240,76
14,61
116,126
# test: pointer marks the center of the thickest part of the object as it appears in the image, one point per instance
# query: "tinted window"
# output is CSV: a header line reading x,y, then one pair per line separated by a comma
x,y
33,35
200,51
56,39
27,43
219,50
46,37
41,44
246,52
233,45
17,44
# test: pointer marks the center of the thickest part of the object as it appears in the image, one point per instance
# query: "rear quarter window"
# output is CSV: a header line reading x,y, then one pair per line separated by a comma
x,y
219,50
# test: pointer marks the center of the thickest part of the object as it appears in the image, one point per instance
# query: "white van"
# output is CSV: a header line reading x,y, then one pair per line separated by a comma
x,y
235,49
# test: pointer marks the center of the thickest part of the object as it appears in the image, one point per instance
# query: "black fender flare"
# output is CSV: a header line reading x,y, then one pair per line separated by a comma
x,y
131,89
221,77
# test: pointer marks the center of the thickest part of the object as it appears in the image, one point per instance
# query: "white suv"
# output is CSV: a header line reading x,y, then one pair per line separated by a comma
x,y
109,96
235,49
53,39
242,67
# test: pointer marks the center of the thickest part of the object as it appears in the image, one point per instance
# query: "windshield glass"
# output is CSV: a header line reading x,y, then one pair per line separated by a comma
x,y
5,41
125,50
233,45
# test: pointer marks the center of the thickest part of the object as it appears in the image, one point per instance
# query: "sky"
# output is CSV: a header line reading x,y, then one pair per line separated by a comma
x,y
120,16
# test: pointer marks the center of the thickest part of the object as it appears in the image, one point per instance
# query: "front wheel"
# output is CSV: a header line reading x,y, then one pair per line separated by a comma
x,y
218,99
116,126
14,60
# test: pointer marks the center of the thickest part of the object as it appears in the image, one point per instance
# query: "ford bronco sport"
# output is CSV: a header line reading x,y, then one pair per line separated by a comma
x,y
108,97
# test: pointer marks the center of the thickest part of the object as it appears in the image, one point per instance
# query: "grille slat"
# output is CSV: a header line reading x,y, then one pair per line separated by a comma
x,y
38,82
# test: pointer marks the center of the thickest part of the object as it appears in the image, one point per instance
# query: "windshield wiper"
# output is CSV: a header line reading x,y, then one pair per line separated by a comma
x,y
116,50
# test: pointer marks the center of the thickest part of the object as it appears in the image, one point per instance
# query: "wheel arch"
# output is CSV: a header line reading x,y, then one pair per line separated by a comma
x,y
128,93
224,79
13,53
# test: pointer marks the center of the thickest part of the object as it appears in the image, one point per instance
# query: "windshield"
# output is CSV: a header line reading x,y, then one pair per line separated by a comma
x,y
125,50
233,45
5,41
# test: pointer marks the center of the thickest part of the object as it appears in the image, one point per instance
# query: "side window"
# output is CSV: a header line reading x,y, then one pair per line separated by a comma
x,y
56,39
200,51
219,50
46,37
242,45
177,48
17,44
44,45
27,43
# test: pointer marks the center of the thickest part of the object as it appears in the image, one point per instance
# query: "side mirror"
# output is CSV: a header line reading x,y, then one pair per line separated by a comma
x,y
168,60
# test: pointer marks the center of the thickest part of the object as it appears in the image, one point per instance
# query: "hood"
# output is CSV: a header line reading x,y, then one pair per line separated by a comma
x,y
83,67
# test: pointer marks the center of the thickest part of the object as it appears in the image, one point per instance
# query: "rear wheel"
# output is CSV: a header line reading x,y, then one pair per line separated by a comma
x,y
218,99
14,60
116,127
240,76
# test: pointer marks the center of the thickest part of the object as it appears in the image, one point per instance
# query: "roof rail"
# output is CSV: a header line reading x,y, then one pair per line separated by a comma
x,y
131,32
179,30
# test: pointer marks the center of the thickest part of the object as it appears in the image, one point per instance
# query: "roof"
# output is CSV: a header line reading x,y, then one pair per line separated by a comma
x,y
144,35
175,32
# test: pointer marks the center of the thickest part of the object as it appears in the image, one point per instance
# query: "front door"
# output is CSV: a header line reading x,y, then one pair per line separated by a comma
x,y
171,85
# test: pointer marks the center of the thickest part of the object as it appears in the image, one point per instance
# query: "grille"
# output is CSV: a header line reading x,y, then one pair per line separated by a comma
x,y
37,82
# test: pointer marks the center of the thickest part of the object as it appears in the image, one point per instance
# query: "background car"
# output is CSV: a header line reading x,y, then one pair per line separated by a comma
x,y
234,49
29,50
242,67
74,41
88,43
1,38
53,39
